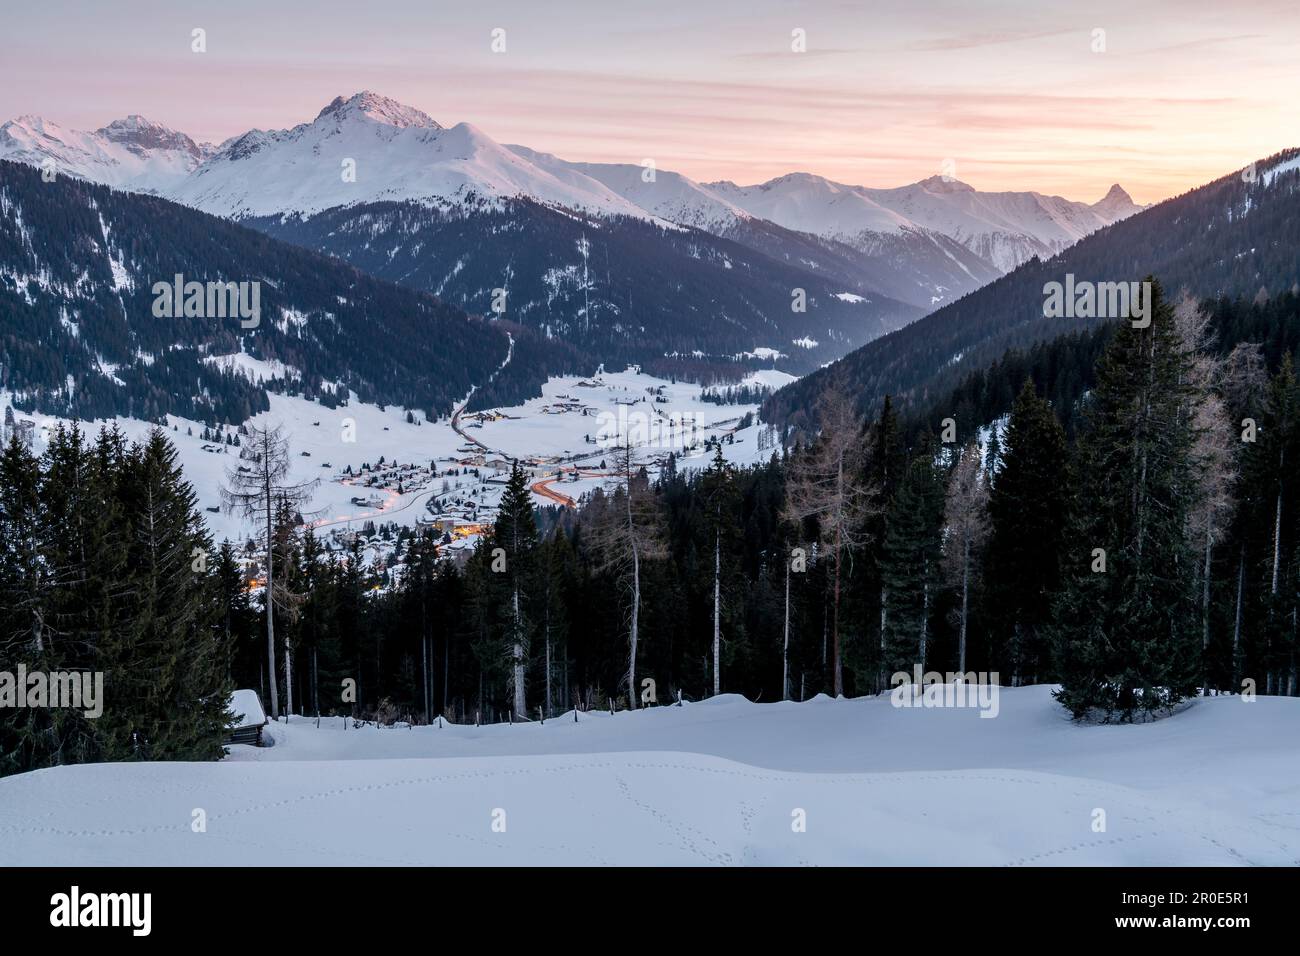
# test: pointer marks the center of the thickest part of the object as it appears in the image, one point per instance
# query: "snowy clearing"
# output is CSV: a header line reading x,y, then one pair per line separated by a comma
x,y
721,782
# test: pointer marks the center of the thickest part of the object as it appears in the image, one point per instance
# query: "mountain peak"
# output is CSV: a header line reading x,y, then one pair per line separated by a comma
x,y
1117,194
1116,204
138,134
377,109
945,184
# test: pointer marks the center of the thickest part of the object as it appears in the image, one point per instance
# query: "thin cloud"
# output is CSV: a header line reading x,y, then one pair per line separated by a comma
x,y
970,41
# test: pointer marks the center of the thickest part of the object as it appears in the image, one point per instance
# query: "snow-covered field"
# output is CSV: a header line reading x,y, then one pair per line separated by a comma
x,y
323,441
721,782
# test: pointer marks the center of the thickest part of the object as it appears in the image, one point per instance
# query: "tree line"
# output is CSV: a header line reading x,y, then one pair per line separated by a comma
x,y
1147,557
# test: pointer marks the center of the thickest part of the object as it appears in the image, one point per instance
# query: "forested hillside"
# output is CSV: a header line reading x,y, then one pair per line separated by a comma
x,y
79,335
1232,237
621,289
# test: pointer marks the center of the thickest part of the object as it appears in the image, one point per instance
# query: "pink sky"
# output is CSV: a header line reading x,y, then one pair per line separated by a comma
x,y
1012,92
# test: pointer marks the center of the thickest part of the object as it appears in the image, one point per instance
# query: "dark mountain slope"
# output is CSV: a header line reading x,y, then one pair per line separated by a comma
x,y
1229,238
78,333
618,288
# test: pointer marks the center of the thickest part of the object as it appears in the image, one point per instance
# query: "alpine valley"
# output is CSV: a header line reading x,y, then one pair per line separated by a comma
x,y
583,263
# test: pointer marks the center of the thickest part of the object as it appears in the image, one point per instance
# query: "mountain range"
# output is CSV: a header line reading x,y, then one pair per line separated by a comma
x,y
941,236
581,263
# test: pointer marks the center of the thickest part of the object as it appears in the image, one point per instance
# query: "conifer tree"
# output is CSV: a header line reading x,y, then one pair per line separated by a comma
x,y
1027,509
719,501
515,533
911,558
1268,497
1124,625
884,469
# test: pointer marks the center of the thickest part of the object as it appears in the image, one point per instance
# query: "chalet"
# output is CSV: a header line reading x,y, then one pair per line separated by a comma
x,y
249,720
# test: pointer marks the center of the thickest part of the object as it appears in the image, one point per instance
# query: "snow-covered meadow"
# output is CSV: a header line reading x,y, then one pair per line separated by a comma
x,y
719,782
323,441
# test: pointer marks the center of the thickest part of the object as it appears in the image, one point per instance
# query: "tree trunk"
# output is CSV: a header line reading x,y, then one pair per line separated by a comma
x,y
785,647
521,705
636,614
424,673
1236,624
835,625
1277,541
717,616
288,676
636,591
270,601
880,677
965,592
925,609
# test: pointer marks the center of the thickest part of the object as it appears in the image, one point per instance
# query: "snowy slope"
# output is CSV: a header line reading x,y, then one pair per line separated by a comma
x,y
399,153
814,204
670,196
131,153
1004,228
712,783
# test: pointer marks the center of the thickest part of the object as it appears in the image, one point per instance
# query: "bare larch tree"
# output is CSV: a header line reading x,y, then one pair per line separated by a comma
x,y
253,490
826,484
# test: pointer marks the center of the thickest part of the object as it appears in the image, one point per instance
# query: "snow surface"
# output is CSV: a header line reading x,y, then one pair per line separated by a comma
x,y
1282,167
711,783
247,708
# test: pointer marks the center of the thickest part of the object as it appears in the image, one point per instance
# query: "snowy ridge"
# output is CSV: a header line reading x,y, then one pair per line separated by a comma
x,y
1006,228
131,153
396,152
369,148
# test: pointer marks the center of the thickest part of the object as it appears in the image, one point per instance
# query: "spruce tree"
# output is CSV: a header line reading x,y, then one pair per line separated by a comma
x,y
515,533
24,733
1027,508
910,559
165,688
1124,625
885,466
720,503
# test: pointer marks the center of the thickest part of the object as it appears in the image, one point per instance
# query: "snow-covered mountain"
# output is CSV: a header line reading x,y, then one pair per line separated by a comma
x,y
132,153
369,148
926,243
654,192
1004,228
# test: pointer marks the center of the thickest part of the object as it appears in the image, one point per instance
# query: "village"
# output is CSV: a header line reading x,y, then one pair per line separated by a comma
x,y
563,442
383,476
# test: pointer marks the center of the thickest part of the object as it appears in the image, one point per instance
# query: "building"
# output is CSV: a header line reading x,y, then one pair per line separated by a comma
x,y
250,718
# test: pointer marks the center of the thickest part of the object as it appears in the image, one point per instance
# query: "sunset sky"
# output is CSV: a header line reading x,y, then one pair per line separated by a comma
x,y
886,91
